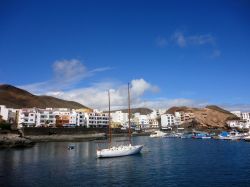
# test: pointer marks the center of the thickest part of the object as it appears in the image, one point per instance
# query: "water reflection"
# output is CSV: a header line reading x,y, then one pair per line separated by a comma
x,y
169,162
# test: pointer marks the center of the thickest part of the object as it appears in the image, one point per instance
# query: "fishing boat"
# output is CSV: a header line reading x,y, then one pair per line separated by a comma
x,y
232,135
122,150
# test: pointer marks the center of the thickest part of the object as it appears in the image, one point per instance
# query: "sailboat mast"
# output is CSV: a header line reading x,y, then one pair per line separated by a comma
x,y
129,113
109,122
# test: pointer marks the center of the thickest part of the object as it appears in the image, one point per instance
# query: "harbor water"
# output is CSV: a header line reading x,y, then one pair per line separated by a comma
x,y
163,162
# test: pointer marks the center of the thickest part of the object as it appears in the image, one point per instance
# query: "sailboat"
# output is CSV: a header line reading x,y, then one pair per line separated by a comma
x,y
122,150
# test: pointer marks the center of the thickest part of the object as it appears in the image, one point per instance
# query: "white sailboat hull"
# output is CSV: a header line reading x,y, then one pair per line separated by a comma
x,y
118,151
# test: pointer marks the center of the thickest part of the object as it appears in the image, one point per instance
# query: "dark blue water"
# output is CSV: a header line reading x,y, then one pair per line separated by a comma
x,y
163,162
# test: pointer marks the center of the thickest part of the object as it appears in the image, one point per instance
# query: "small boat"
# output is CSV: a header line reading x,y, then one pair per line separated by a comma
x,y
158,134
174,135
223,135
247,138
201,136
186,135
71,147
232,135
122,150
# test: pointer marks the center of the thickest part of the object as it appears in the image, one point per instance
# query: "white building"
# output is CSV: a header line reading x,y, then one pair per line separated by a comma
x,y
45,117
144,121
237,113
119,117
154,114
178,118
244,121
81,119
246,116
238,124
97,120
27,117
153,123
8,114
167,121
4,112
35,117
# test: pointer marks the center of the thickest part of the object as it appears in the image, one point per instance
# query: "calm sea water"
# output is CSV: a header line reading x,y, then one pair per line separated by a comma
x,y
163,162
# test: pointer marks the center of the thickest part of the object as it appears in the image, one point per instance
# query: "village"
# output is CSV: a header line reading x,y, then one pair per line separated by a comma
x,y
93,118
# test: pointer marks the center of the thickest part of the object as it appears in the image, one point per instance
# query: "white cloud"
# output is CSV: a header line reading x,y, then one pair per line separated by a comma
x,y
164,103
69,71
201,39
179,39
182,41
139,86
95,96
66,74
235,107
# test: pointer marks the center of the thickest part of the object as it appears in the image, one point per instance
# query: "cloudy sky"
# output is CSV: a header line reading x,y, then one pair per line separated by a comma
x,y
172,53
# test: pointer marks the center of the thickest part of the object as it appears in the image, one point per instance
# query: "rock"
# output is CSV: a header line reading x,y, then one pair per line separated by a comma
x,y
14,141
210,117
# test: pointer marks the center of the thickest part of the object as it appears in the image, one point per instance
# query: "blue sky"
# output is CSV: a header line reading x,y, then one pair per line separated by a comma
x,y
173,52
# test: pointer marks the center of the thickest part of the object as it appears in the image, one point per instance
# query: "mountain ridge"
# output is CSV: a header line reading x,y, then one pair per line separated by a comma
x,y
13,97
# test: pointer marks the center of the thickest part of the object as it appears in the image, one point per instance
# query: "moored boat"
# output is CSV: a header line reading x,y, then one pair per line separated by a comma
x,y
247,138
158,134
117,151
201,136
232,135
71,147
122,150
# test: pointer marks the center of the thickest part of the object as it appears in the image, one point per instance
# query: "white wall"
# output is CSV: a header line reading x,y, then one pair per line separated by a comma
x,y
167,120
4,112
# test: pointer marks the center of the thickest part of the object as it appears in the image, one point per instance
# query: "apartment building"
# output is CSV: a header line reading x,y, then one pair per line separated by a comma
x,y
8,114
95,120
153,123
119,117
237,113
167,121
27,117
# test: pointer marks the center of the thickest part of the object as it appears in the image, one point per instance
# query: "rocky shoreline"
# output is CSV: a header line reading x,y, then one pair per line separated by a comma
x,y
14,141
65,138
10,140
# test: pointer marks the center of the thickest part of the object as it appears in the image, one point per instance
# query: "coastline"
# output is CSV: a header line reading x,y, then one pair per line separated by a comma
x,y
65,138
76,137
15,141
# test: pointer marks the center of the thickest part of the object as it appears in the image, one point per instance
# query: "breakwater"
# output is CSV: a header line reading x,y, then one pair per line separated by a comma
x,y
37,134
38,131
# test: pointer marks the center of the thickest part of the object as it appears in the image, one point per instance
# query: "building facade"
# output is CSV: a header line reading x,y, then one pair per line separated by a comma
x,y
167,121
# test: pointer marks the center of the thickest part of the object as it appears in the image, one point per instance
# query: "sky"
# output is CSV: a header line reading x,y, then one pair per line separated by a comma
x,y
173,53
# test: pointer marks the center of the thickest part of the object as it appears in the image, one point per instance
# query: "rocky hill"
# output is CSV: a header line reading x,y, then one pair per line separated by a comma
x,y
210,117
14,97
